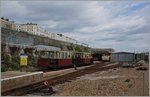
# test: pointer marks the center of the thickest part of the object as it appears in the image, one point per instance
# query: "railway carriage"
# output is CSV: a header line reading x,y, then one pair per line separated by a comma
x,y
58,58
87,58
65,58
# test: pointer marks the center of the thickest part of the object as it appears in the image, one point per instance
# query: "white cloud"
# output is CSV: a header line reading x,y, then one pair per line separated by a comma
x,y
48,24
10,8
98,23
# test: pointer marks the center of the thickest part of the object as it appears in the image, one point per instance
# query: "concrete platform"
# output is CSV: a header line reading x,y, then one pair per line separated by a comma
x,y
8,74
16,79
57,73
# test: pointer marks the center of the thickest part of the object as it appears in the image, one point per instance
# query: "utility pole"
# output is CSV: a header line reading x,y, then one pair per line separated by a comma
x,y
143,83
134,57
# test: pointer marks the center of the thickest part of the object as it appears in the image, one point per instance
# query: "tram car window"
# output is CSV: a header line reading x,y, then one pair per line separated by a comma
x,y
62,55
54,55
88,56
57,55
44,54
82,55
51,55
69,55
66,55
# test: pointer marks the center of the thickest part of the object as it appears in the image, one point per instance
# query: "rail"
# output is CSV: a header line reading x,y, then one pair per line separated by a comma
x,y
58,80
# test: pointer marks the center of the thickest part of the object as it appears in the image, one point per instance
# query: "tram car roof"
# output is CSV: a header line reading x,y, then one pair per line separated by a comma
x,y
76,52
47,48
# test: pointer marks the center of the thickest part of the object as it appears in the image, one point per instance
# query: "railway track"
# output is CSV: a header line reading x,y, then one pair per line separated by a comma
x,y
58,80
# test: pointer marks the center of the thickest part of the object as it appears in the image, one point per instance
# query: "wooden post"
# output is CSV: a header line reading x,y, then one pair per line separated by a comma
x,y
23,69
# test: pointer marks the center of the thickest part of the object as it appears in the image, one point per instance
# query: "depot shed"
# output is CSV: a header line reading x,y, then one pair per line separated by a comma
x,y
122,57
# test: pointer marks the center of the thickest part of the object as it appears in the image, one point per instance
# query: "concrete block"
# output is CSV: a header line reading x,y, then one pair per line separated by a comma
x,y
21,80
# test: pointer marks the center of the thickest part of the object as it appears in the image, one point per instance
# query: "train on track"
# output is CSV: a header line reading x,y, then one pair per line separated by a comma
x,y
64,59
50,56
54,57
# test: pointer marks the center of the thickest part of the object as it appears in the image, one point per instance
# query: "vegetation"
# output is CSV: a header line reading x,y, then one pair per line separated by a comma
x,y
56,44
70,48
86,49
12,61
78,49
3,68
15,64
31,60
9,62
6,60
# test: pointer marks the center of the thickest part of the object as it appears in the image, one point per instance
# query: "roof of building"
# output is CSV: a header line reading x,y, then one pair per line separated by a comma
x,y
102,50
123,53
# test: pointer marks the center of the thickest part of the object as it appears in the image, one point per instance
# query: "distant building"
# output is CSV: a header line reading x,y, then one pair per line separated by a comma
x,y
101,50
61,37
29,28
5,23
68,39
18,27
101,54
142,56
34,29
122,57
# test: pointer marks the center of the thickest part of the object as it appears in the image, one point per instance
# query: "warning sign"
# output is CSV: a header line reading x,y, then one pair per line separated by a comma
x,y
23,60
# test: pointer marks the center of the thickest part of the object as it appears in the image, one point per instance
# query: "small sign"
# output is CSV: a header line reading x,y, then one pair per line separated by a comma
x,y
23,60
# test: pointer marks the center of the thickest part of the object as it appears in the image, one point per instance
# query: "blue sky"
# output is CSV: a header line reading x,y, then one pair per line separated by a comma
x,y
121,25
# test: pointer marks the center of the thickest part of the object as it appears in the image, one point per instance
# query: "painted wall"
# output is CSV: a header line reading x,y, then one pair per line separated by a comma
x,y
122,57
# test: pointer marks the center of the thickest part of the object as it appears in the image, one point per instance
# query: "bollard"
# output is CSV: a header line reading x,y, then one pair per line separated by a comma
x,y
50,89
